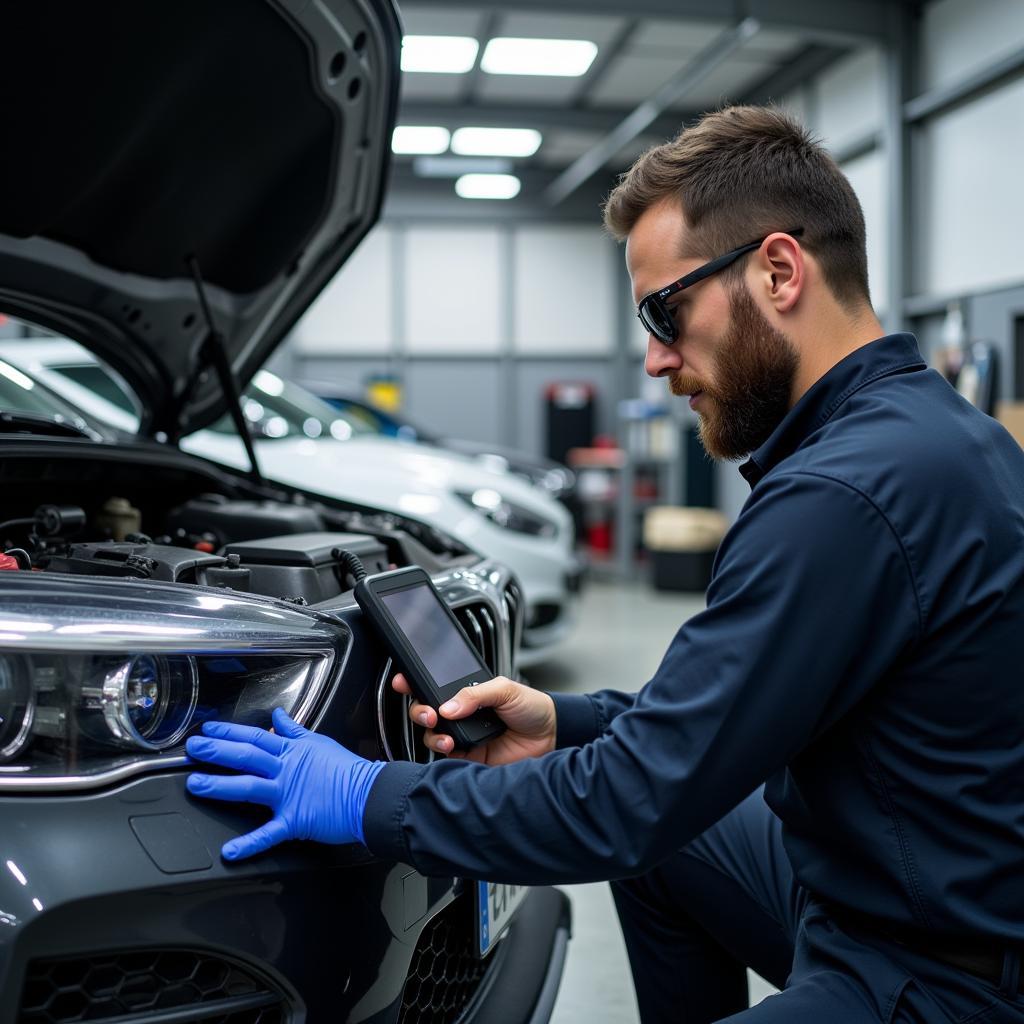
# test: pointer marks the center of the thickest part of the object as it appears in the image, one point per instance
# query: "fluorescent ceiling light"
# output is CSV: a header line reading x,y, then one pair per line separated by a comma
x,y
413,138
564,58
439,54
487,186
495,141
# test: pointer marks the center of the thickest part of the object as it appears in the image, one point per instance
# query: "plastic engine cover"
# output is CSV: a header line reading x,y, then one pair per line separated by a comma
x,y
304,565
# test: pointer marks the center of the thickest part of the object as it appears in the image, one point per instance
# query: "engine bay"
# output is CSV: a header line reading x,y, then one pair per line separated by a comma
x,y
166,524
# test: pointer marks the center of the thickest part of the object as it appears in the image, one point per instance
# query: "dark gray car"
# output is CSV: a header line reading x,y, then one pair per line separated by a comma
x,y
180,182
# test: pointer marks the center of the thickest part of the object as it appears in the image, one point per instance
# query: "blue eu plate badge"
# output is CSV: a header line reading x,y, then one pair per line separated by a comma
x,y
496,906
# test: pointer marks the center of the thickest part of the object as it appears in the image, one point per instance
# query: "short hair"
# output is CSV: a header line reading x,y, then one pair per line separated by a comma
x,y
741,173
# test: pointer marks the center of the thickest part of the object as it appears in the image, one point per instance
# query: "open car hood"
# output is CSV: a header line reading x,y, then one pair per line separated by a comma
x,y
252,136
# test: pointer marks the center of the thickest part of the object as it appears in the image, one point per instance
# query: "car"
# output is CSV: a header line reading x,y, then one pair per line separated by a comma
x,y
187,179
301,440
558,480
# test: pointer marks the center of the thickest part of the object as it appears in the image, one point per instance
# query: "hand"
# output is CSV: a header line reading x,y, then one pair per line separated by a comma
x,y
316,788
529,717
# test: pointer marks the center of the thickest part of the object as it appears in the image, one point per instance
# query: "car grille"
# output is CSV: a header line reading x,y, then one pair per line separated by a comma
x,y
186,987
516,605
478,622
444,973
402,740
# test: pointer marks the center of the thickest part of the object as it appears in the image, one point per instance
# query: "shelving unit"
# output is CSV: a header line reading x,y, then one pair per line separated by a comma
x,y
649,457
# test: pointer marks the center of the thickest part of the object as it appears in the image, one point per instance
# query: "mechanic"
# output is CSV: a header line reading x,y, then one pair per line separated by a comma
x,y
860,652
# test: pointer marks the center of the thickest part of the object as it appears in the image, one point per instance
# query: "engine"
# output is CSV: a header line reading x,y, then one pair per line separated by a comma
x,y
275,549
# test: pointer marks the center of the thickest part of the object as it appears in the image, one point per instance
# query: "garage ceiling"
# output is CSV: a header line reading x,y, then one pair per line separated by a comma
x,y
642,48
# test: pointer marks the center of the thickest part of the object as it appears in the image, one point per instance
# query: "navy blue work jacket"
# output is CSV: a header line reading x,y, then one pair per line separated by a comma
x,y
862,650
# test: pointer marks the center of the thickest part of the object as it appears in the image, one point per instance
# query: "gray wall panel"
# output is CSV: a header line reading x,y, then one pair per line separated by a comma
x,y
456,397
351,372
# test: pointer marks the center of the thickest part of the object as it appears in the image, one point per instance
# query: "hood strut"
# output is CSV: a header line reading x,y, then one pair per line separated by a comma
x,y
216,355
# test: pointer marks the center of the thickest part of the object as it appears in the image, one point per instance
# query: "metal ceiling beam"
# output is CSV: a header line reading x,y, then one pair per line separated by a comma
x,y
692,74
606,56
843,22
544,118
947,97
802,67
476,75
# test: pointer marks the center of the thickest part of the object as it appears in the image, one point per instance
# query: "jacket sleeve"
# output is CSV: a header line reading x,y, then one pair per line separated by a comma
x,y
582,717
812,601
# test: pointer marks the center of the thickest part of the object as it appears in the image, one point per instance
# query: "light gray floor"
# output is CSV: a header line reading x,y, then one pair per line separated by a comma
x,y
623,633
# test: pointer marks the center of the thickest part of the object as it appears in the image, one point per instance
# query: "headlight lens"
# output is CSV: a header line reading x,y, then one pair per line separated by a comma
x,y
17,707
100,677
505,513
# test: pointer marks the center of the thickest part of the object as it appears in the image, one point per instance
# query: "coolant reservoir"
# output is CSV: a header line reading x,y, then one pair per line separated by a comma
x,y
120,517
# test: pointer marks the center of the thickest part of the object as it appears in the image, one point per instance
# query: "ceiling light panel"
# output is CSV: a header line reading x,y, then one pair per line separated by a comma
x,y
496,141
439,54
561,58
487,186
419,139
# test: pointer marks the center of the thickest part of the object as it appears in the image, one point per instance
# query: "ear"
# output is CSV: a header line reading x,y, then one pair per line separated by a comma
x,y
781,271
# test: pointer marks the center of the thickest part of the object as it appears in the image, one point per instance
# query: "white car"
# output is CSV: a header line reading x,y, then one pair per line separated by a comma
x,y
303,442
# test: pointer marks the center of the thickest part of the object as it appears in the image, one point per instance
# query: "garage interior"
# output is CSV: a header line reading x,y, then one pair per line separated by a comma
x,y
479,306
509,322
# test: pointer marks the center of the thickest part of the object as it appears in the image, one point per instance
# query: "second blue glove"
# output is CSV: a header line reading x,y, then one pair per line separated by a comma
x,y
316,788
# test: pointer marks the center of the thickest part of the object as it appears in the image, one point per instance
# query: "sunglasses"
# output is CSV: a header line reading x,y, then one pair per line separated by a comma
x,y
655,315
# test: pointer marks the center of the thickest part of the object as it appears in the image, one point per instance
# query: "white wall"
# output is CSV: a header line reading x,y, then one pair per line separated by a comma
x,y
470,290
354,312
970,160
849,100
867,174
563,296
453,300
963,36
842,107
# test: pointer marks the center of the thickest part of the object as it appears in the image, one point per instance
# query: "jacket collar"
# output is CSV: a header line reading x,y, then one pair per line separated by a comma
x,y
894,353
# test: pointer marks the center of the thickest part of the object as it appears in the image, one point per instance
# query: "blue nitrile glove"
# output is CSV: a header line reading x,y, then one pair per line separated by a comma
x,y
316,788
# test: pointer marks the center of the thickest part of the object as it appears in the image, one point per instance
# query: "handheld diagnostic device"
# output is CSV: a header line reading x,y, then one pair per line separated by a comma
x,y
429,646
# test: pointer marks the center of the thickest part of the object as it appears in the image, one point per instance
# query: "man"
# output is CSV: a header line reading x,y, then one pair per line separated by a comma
x,y
861,651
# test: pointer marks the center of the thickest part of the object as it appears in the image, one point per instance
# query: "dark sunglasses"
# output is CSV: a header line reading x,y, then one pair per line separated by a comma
x,y
655,315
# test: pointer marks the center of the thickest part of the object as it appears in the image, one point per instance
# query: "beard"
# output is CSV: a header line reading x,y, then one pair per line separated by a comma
x,y
755,367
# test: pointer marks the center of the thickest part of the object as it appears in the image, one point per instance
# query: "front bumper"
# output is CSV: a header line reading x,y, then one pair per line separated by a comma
x,y
116,905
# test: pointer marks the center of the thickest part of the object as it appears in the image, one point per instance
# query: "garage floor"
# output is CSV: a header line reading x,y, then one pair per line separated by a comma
x,y
622,634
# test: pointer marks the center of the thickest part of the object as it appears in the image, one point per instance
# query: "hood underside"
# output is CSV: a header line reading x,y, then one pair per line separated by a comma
x,y
251,136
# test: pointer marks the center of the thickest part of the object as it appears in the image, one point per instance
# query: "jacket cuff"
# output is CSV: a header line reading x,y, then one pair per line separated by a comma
x,y
385,808
576,720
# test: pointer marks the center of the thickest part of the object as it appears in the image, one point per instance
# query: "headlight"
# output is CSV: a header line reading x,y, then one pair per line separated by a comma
x,y
100,679
505,513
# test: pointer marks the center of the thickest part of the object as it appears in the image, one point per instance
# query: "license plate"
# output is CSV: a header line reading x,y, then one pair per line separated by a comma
x,y
496,904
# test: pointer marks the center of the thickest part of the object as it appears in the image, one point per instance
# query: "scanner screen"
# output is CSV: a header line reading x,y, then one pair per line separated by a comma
x,y
440,646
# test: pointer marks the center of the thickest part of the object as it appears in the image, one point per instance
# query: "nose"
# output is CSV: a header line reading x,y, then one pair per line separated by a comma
x,y
661,359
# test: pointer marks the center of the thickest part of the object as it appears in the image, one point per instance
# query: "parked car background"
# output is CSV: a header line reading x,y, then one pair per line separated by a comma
x,y
302,441
558,480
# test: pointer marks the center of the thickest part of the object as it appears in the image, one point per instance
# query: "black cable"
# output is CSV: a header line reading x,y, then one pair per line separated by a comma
x,y
23,557
30,521
352,563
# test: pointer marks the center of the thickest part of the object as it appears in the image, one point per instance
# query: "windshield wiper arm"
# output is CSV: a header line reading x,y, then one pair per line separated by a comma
x,y
38,423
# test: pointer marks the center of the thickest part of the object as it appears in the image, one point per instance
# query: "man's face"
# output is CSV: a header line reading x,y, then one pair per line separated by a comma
x,y
737,369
